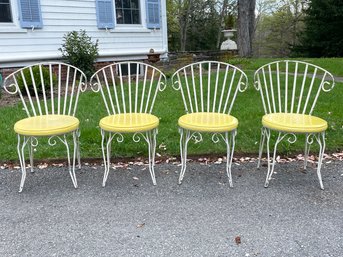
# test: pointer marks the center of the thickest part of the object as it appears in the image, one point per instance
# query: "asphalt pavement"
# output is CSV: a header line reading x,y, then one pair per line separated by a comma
x,y
201,217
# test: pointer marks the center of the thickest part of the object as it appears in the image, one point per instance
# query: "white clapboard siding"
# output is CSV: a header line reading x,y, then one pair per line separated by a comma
x,y
62,16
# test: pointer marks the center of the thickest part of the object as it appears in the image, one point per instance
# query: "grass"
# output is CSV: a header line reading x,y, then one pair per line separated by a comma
x,y
333,65
168,107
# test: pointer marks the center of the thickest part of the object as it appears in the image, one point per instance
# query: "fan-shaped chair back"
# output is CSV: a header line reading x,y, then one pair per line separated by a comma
x,y
209,86
128,87
291,86
47,88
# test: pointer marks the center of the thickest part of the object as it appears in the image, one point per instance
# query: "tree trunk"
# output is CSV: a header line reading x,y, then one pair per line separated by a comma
x,y
185,8
245,27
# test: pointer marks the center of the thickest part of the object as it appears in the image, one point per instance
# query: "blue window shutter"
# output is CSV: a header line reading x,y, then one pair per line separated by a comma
x,y
30,14
104,14
153,14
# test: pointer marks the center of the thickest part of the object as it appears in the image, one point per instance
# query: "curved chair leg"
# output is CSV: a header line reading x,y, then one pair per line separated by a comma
x,y
229,153
31,154
106,153
151,140
71,166
260,150
320,137
267,135
184,138
307,150
78,148
20,148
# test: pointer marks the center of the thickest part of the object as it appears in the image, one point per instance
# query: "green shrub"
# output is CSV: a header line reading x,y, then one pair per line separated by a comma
x,y
37,79
79,51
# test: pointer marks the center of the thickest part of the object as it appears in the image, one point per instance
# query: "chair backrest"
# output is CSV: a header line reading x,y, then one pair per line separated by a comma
x,y
209,86
47,88
128,87
290,86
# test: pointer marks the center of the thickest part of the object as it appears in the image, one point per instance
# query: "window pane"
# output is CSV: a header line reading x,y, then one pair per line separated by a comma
x,y
5,11
135,17
127,17
134,4
118,4
127,11
126,3
119,15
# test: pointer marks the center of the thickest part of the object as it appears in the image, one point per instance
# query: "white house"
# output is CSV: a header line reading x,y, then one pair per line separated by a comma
x,y
33,30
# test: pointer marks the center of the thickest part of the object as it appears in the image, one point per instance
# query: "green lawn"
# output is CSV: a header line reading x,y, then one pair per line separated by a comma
x,y
248,109
333,65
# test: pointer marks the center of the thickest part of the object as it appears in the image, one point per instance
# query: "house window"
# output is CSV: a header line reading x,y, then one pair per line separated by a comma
x,y
127,11
5,11
133,69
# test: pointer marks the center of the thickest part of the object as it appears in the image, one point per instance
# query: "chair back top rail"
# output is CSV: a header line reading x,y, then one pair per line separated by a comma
x,y
209,86
291,86
128,87
47,88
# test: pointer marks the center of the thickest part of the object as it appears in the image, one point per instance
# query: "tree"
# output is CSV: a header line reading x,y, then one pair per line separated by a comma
x,y
323,35
278,26
185,9
245,27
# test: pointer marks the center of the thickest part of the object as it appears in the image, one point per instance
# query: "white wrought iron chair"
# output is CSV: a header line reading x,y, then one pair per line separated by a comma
x,y
49,93
289,91
208,91
129,91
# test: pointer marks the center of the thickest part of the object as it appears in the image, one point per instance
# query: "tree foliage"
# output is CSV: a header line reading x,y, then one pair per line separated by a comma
x,y
197,24
279,23
323,34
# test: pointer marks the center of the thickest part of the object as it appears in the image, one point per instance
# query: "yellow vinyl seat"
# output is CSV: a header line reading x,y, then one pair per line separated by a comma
x,y
294,123
46,125
208,122
129,122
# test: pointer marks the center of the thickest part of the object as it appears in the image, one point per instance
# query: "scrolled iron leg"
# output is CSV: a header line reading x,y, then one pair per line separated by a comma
x,y
229,153
321,141
151,140
71,166
267,131
21,155
78,148
31,155
184,138
260,150
105,145
307,150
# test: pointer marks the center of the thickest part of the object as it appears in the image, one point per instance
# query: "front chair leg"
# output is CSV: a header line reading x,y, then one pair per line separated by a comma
x,y
105,146
320,137
307,149
31,154
229,153
260,150
184,138
71,166
267,135
20,149
151,141
78,148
